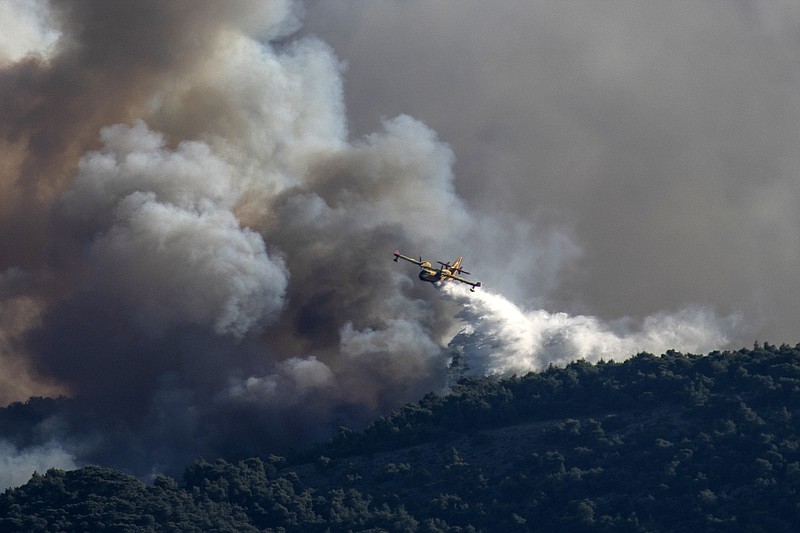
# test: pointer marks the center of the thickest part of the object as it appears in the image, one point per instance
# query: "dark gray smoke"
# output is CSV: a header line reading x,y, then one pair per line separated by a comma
x,y
197,251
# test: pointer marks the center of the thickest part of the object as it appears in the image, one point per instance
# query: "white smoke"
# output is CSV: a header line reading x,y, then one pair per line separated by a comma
x,y
267,113
293,379
25,29
500,339
165,239
17,465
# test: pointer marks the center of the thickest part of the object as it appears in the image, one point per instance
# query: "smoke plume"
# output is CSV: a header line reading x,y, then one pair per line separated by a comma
x,y
18,465
196,251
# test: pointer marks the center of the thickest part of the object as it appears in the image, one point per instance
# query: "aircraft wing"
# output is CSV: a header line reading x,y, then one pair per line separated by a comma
x,y
398,255
473,284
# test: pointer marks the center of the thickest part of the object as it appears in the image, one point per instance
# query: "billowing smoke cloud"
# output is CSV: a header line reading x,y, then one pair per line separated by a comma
x,y
162,237
199,253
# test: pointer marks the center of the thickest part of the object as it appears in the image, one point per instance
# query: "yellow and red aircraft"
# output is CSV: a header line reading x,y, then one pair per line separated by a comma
x,y
445,272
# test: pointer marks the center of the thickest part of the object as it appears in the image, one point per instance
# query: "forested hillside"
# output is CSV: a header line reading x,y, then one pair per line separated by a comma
x,y
670,443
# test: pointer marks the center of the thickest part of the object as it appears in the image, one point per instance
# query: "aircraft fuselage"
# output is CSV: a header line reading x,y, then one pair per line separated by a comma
x,y
432,276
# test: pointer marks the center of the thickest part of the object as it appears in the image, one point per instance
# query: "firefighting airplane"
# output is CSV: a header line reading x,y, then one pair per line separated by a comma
x,y
445,272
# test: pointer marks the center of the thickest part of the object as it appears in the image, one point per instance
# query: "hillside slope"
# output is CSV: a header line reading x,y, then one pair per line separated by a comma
x,y
670,443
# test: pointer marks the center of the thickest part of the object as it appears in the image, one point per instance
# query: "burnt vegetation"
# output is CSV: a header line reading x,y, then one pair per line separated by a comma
x,y
655,443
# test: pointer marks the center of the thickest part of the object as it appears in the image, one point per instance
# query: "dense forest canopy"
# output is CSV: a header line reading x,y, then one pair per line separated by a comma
x,y
656,443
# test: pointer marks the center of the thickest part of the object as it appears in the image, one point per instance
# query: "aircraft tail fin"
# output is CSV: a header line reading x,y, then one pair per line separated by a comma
x,y
457,267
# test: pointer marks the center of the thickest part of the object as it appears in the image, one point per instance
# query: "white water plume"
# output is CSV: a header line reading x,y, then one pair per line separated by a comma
x,y
500,338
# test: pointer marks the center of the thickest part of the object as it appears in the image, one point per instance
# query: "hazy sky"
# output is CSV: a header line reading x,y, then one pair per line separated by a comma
x,y
199,201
